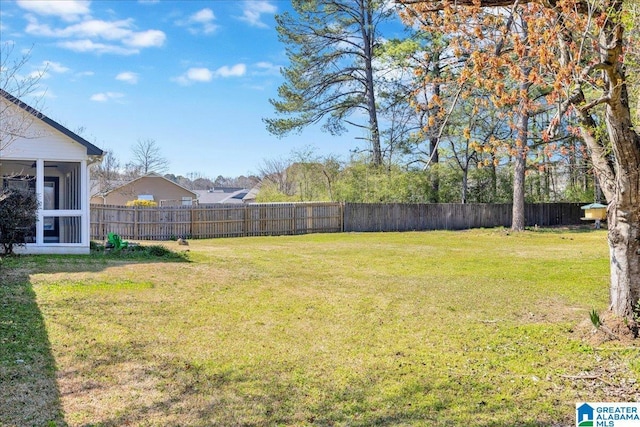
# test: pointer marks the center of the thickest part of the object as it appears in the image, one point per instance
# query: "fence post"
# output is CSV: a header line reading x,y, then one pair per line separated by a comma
x,y
192,231
135,223
245,221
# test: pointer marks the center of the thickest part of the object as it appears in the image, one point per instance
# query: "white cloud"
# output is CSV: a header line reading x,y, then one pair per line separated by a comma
x,y
267,68
199,74
128,77
38,75
200,22
89,46
149,38
106,96
95,35
44,70
54,67
237,70
96,28
204,15
69,10
253,10
205,75
196,74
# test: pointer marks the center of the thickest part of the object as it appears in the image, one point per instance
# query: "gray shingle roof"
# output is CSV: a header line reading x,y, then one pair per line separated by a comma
x,y
221,195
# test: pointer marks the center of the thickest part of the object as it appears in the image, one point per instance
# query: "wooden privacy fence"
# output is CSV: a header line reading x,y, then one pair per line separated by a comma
x,y
201,222
453,216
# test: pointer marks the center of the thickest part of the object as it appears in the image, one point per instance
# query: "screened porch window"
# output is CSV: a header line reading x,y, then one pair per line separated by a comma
x,y
66,229
62,186
61,201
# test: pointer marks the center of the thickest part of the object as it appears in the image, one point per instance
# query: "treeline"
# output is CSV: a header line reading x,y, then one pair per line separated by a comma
x,y
318,178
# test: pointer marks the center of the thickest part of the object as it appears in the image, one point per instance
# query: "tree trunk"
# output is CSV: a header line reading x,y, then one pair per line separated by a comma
x,y
624,210
434,141
518,220
435,173
494,179
620,184
624,253
368,41
465,183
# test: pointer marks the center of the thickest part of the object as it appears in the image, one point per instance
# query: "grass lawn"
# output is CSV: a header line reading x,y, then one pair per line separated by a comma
x,y
473,328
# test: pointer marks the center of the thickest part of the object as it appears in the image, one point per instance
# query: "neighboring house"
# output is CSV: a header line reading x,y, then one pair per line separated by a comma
x,y
250,197
53,162
152,187
225,195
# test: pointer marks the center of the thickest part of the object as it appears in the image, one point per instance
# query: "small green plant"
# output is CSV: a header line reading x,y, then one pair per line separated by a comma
x,y
595,318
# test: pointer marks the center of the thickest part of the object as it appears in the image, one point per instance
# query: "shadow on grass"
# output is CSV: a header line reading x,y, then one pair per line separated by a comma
x,y
28,391
583,228
29,394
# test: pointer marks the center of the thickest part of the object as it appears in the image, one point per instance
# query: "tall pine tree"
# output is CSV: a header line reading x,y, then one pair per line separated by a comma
x,y
331,46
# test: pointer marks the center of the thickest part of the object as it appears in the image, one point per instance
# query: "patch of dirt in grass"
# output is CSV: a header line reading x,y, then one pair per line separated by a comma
x,y
615,347
626,332
611,381
552,311
91,395
614,330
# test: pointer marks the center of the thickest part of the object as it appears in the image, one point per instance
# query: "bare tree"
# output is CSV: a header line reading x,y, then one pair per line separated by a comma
x,y
131,172
14,85
275,171
240,181
106,175
148,158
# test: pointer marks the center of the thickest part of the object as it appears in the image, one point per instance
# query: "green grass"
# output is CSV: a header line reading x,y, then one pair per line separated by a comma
x,y
475,328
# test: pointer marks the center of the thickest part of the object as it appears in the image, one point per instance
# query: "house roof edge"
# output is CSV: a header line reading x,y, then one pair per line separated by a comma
x,y
92,150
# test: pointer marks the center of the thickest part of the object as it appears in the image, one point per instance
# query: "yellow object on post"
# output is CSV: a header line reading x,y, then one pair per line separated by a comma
x,y
595,211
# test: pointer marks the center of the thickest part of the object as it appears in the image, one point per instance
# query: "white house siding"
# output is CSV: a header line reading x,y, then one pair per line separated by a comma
x,y
47,143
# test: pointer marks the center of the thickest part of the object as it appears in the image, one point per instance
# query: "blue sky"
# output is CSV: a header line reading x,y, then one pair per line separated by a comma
x,y
195,76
